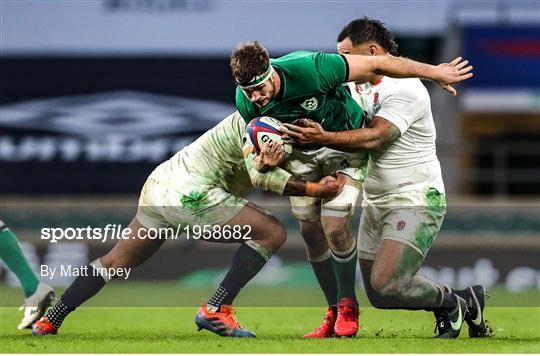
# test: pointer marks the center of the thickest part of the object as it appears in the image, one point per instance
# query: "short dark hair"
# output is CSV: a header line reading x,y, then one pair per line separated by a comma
x,y
249,59
366,30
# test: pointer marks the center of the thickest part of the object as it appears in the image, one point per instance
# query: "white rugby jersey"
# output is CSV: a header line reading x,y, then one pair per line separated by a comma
x,y
216,158
410,162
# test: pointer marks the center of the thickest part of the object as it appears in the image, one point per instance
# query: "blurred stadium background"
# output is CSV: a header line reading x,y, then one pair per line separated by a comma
x,y
94,94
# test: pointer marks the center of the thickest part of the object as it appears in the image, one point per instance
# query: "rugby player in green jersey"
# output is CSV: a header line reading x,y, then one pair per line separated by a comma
x,y
201,187
403,200
38,295
309,85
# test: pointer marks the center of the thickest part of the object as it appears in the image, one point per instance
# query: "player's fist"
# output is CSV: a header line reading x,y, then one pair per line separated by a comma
x,y
330,186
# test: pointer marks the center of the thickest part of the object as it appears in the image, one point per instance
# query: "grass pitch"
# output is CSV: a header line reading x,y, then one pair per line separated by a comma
x,y
279,329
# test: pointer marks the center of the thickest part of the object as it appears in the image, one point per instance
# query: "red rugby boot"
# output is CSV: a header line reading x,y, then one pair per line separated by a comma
x,y
327,327
347,317
44,327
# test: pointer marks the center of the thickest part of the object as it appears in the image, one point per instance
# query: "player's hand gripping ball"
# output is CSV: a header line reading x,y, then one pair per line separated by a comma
x,y
265,129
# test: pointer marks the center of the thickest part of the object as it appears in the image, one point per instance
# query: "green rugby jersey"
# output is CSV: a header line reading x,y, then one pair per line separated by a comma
x,y
311,87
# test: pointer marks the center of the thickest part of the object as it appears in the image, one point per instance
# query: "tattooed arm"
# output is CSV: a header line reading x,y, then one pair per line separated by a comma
x,y
380,132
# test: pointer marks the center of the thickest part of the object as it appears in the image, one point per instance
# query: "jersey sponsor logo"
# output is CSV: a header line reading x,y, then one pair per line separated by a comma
x,y
310,104
400,225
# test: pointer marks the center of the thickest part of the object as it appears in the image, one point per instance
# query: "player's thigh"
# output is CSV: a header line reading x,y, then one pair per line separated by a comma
x,y
303,164
407,233
154,196
202,205
394,265
212,214
306,208
415,226
134,250
369,233
353,164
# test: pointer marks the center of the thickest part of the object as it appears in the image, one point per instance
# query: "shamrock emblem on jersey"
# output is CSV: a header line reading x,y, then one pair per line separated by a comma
x,y
400,225
310,104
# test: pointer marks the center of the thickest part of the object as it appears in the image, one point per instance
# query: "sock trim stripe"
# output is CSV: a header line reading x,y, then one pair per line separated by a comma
x,y
344,260
345,256
259,249
102,271
346,253
326,255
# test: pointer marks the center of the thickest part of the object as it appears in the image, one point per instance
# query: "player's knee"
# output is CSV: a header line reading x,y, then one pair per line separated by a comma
x,y
280,234
115,260
381,283
314,237
376,300
276,236
339,237
110,260
312,233
385,285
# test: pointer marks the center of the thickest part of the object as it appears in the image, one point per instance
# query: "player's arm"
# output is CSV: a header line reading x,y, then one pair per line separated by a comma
x,y
364,68
379,133
327,187
282,182
398,111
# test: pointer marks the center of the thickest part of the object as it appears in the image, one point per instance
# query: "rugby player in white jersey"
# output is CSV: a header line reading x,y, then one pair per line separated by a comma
x,y
202,187
404,201
310,84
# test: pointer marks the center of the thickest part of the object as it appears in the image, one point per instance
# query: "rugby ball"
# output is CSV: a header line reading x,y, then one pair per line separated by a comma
x,y
264,129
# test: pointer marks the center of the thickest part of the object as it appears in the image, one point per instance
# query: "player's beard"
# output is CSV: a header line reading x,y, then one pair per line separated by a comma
x,y
273,91
271,94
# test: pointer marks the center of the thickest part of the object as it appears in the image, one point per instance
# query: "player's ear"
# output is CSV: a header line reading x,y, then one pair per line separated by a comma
x,y
373,49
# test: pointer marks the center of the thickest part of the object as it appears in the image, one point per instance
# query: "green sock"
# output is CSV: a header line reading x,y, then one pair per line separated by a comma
x,y
324,272
12,255
345,269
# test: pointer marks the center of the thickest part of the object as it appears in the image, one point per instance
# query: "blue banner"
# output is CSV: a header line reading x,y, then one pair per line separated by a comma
x,y
503,56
